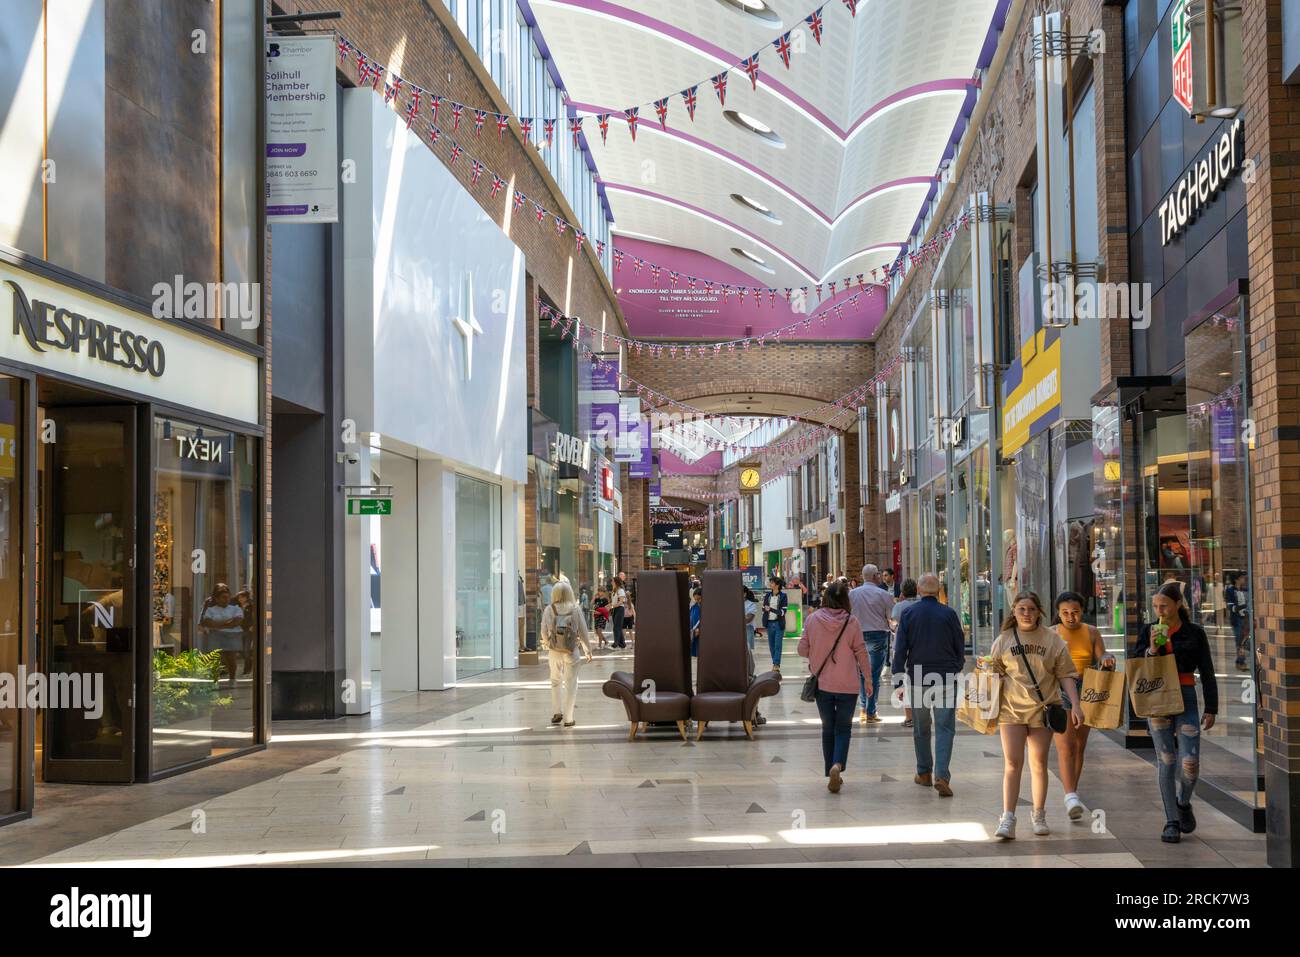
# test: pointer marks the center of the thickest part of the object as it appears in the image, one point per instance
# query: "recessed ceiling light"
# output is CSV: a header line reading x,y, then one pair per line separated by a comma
x,y
752,204
752,125
754,8
757,261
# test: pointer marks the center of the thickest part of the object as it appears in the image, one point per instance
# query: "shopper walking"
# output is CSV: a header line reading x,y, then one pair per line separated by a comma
x,y
1177,738
774,607
929,654
871,607
751,618
601,614
1086,651
564,634
832,643
908,599
618,610
1034,661
1238,601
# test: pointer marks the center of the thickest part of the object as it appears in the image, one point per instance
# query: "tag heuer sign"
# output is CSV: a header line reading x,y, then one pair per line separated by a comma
x,y
1182,54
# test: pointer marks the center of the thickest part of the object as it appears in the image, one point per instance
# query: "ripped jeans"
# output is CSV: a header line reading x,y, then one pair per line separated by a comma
x,y
1178,753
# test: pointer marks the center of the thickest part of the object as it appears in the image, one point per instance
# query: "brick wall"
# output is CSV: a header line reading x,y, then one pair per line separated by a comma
x,y
1273,110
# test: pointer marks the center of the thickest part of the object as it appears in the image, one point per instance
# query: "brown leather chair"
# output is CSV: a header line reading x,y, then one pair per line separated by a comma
x,y
723,690
661,654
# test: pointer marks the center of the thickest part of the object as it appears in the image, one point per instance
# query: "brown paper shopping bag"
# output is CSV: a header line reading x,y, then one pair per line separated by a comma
x,y
1153,688
981,701
1101,699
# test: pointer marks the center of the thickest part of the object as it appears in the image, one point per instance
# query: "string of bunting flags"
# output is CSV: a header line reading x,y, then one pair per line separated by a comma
x,y
370,71
482,176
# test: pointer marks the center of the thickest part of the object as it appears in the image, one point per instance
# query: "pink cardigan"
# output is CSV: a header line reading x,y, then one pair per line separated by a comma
x,y
840,675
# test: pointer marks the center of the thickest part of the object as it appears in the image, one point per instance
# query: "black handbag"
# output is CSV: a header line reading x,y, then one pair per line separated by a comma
x,y
809,692
1057,717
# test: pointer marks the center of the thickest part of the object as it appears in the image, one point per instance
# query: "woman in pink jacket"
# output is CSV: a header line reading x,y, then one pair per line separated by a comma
x,y
832,643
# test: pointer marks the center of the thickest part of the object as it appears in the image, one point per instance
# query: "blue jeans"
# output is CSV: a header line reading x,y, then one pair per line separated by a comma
x,y
775,639
1178,762
877,643
836,710
619,641
945,728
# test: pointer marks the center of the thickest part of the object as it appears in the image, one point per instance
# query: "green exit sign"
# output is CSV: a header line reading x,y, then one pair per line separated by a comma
x,y
370,506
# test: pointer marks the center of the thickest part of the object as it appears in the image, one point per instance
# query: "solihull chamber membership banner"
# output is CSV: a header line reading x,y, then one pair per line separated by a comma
x,y
301,131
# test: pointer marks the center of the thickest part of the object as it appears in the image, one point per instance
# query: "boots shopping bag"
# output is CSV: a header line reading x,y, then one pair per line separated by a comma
x,y
1153,688
1101,699
981,701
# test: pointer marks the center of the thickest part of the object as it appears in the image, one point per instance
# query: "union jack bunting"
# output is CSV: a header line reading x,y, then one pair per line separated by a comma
x,y
579,237
633,117
457,111
690,96
750,66
526,127
602,120
661,108
480,117
690,283
832,288
413,106
788,293
853,7
782,44
434,133
435,102
560,226
654,272
848,283
672,278
618,259
376,71
720,87
637,263
476,170
741,292
771,298
541,212
503,124
814,21
345,50
862,281
819,292
456,150
600,248
392,89
520,199
363,67
548,130
498,184
575,127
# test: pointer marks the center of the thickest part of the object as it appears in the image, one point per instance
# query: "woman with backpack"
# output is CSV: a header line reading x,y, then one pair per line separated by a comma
x,y
563,633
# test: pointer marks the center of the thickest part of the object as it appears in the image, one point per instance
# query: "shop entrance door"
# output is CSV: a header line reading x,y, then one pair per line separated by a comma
x,y
87,597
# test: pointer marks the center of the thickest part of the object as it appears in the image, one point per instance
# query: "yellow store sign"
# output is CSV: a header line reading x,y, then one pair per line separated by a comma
x,y
1037,399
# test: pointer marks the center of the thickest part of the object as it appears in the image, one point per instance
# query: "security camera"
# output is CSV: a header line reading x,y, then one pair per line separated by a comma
x,y
349,458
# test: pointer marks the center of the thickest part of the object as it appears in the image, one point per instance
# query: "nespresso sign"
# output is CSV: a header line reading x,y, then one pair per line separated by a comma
x,y
66,330
1201,184
48,325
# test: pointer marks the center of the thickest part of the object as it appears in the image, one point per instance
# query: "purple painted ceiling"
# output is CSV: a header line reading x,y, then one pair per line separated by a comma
x,y
680,313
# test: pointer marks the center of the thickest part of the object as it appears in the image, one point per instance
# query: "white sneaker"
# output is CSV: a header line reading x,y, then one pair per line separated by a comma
x,y
1039,819
1074,807
1006,827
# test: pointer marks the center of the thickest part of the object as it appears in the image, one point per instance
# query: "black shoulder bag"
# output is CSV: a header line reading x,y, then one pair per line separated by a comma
x,y
809,692
1057,718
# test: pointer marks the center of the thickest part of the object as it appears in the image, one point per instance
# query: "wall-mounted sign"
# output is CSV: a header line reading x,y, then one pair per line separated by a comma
x,y
1201,184
66,331
1181,32
893,502
607,483
667,536
301,130
571,450
370,506
1032,400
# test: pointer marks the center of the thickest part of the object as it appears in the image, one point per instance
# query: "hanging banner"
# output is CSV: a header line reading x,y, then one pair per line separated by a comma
x,y
301,131
598,392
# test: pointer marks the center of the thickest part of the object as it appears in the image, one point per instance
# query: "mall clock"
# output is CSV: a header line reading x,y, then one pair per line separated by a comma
x,y
749,478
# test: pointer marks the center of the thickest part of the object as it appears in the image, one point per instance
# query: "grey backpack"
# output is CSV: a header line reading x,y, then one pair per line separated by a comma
x,y
564,636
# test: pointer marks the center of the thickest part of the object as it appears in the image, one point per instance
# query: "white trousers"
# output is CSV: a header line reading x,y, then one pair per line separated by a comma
x,y
564,684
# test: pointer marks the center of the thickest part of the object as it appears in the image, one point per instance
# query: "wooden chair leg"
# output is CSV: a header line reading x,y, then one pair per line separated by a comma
x,y
681,729
631,735
700,726
749,729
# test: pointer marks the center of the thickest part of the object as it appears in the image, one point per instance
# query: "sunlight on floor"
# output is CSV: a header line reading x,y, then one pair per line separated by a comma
x,y
246,860
889,834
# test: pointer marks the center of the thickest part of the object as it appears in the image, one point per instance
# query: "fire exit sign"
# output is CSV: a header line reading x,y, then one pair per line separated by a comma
x,y
370,506
1182,57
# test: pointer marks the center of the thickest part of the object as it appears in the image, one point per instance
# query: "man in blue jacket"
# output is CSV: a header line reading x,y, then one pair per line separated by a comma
x,y
929,654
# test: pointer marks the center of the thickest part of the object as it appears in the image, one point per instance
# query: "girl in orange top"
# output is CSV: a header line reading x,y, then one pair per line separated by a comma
x,y
1086,650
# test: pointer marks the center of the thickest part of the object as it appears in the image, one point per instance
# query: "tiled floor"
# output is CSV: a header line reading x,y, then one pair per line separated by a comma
x,y
477,776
